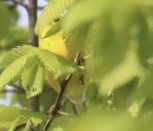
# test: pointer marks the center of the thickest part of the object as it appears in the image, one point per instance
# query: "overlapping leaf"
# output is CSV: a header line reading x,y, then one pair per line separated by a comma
x,y
13,64
30,63
12,117
37,85
83,12
51,12
57,64
113,26
130,67
14,54
27,75
32,77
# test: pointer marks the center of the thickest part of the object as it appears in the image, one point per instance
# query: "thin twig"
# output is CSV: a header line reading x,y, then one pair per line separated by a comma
x,y
48,123
55,108
19,2
16,86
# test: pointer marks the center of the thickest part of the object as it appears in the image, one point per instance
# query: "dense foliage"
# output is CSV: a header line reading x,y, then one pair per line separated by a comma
x,y
117,39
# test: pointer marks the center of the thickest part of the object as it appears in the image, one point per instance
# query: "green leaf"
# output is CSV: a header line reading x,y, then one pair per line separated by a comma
x,y
37,86
52,11
77,40
15,36
13,63
32,77
145,90
11,117
57,64
130,67
145,35
21,120
30,63
12,71
5,23
78,16
56,28
112,30
28,74
15,54
58,129
2,54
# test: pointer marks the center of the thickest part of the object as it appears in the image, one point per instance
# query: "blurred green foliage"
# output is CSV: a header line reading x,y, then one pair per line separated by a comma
x,y
15,36
11,35
118,38
119,41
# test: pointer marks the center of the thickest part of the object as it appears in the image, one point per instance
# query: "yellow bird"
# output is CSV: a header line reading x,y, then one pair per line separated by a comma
x,y
75,90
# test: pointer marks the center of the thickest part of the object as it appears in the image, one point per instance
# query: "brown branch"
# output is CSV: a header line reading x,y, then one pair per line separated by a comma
x,y
48,123
17,86
32,15
18,2
21,3
33,40
55,108
31,8
57,105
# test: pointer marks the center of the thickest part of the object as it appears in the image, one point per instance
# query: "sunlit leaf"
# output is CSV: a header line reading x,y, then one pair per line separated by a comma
x,y
52,11
37,86
56,64
15,54
28,74
16,116
18,62
32,77
56,28
76,41
58,129
78,15
12,71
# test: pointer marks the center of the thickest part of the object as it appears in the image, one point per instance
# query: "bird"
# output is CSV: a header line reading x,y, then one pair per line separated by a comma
x,y
77,85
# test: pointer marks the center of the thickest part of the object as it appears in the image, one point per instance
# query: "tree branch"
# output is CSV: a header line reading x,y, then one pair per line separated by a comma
x,y
33,40
19,2
57,105
32,15
31,8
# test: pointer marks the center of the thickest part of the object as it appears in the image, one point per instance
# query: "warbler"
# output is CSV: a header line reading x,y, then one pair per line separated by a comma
x,y
77,85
